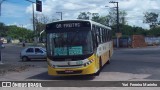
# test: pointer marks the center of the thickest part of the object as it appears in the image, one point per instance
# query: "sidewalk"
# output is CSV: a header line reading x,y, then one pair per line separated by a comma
x,y
32,44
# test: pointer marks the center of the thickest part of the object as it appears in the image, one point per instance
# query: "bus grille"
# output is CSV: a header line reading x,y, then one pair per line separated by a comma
x,y
68,66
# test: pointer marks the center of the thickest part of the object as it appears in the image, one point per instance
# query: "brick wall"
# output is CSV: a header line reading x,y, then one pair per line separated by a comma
x,y
138,41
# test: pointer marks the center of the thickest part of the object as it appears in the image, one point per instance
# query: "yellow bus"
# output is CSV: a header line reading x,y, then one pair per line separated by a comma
x,y
77,47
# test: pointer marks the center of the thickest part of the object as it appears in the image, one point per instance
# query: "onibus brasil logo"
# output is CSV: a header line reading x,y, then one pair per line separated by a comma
x,y
21,84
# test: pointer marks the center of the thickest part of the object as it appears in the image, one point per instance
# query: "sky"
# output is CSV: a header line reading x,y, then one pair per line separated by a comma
x,y
19,12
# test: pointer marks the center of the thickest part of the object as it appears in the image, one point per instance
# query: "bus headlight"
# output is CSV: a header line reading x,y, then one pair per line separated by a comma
x,y
50,64
88,62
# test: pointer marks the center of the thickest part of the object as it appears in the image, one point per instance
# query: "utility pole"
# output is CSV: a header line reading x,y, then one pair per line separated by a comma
x,y
38,8
0,51
60,13
0,36
118,33
35,39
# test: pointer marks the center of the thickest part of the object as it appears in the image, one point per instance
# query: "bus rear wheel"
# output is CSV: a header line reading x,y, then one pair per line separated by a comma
x,y
108,62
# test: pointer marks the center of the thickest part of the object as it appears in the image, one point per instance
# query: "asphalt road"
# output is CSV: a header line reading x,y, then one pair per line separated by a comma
x,y
126,65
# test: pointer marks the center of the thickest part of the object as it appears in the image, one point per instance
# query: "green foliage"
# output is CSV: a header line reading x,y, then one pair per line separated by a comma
x,y
107,20
112,17
102,20
110,20
83,15
15,32
3,30
154,32
19,33
129,30
151,18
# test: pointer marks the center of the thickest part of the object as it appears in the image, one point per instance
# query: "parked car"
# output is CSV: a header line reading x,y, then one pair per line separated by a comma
x,y
33,53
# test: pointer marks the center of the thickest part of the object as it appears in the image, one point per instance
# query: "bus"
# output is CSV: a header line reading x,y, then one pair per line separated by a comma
x,y
77,47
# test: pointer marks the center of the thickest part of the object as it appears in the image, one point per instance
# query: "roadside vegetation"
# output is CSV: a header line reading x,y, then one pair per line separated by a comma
x,y
24,34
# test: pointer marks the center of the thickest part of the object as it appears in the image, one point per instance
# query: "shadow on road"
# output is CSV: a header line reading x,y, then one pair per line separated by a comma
x,y
45,76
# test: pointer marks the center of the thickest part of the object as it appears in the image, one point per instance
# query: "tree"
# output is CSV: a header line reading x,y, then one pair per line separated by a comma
x,y
154,32
95,17
40,24
19,33
112,17
151,18
3,30
122,19
83,15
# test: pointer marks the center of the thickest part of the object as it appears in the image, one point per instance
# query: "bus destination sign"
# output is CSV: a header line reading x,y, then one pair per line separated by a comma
x,y
68,25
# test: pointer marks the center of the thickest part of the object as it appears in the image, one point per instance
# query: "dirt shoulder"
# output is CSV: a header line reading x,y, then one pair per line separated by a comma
x,y
5,68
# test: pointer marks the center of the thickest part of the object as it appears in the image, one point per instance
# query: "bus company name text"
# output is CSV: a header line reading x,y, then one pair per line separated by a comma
x,y
21,84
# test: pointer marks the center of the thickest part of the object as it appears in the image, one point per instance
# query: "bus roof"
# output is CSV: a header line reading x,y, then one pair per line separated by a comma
x,y
92,22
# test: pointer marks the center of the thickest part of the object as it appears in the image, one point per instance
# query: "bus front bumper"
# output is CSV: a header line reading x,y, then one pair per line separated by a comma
x,y
85,70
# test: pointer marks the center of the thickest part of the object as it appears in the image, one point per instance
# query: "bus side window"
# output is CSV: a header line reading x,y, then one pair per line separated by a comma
x,y
109,35
105,35
102,35
94,37
99,37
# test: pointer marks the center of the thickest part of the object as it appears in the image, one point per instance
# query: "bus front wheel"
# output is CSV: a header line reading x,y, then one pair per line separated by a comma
x,y
100,67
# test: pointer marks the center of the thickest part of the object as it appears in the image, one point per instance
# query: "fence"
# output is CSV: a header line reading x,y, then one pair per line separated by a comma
x,y
123,42
152,40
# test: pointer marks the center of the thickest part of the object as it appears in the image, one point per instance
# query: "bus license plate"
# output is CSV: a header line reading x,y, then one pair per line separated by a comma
x,y
69,71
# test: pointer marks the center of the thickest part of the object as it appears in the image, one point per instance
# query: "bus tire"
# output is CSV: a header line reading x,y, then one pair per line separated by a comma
x,y
100,63
108,62
100,67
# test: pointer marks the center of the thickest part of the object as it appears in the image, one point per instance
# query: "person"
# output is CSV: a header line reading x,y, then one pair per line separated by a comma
x,y
23,44
1,44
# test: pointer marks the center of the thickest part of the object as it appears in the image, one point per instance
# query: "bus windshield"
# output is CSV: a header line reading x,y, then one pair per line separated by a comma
x,y
69,43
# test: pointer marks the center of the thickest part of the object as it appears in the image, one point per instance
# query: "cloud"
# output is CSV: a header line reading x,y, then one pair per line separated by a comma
x,y
136,8
71,8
